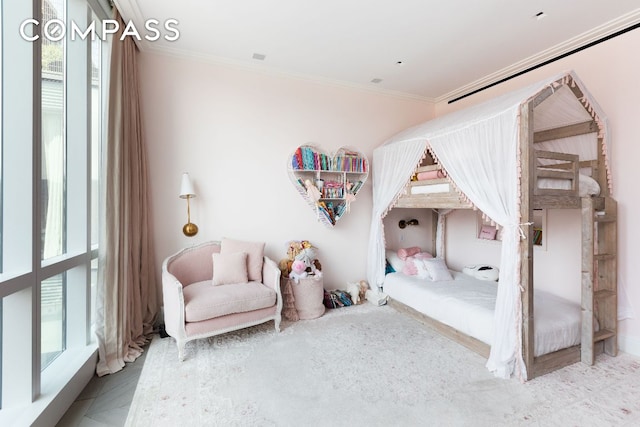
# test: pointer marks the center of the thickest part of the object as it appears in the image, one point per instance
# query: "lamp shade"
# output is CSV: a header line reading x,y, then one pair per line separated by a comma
x,y
186,189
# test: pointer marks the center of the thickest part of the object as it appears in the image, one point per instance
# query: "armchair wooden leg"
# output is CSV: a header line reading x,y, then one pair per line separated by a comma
x,y
181,345
277,323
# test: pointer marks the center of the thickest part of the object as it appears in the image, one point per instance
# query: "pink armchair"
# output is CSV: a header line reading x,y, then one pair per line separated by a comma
x,y
218,287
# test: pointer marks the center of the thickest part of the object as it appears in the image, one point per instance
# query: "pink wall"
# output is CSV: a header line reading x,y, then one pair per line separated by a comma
x,y
233,130
610,72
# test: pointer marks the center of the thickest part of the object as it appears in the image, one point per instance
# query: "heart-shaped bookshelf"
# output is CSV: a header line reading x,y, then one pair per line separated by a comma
x,y
328,183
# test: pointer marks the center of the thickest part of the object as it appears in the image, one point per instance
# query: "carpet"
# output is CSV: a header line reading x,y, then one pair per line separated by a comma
x,y
367,366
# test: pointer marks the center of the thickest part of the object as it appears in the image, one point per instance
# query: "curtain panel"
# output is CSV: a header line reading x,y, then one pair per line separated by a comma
x,y
127,294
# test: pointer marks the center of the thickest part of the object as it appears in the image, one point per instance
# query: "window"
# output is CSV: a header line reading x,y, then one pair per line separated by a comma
x,y
52,195
52,137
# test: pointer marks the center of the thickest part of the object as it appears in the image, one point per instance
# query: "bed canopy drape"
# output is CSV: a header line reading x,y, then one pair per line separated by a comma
x,y
479,147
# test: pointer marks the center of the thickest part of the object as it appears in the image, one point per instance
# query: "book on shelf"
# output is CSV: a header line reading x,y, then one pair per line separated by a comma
x,y
356,187
537,236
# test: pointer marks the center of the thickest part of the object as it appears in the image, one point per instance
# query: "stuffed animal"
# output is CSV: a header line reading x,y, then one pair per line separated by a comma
x,y
364,287
298,270
293,248
307,256
303,250
357,291
353,288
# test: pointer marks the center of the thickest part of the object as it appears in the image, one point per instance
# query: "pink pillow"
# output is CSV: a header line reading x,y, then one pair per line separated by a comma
x,y
404,253
255,254
229,268
410,268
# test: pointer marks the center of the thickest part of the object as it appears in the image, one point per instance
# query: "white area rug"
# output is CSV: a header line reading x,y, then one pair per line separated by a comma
x,y
367,366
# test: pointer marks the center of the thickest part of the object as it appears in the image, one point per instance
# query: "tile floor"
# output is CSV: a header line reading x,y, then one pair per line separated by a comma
x,y
105,400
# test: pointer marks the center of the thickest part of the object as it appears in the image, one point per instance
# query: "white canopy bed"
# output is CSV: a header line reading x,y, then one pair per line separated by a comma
x,y
505,157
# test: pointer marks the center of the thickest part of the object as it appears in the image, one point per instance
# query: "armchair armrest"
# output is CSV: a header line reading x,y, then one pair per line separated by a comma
x,y
173,302
271,274
271,278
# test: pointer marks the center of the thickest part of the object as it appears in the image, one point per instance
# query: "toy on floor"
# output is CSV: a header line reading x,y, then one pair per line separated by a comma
x,y
357,290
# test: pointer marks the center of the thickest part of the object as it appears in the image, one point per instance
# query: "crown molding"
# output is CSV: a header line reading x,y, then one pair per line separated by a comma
x,y
272,71
623,22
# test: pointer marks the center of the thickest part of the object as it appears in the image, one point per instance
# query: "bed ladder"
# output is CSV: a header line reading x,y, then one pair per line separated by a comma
x,y
599,277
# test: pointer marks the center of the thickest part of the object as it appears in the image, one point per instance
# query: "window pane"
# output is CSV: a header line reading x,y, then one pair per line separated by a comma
x,y
53,136
96,133
52,297
94,292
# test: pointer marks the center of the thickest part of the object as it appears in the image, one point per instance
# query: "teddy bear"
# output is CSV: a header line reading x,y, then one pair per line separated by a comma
x,y
293,248
298,270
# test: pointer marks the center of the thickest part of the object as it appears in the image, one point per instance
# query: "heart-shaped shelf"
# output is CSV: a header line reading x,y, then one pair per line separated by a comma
x,y
328,183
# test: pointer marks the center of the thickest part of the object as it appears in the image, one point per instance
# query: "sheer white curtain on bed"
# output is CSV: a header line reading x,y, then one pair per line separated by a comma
x,y
481,158
394,165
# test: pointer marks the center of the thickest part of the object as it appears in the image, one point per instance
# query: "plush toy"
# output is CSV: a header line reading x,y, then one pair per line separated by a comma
x,y
293,248
353,288
357,291
349,197
313,194
307,256
298,270
364,287
303,250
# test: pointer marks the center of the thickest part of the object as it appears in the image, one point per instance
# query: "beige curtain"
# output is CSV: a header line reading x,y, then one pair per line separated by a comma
x,y
127,295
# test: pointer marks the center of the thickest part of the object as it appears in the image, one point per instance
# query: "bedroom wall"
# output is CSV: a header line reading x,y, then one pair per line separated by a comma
x,y
233,130
414,235
610,72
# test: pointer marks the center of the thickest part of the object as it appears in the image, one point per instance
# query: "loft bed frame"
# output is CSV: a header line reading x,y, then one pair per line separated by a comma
x,y
599,235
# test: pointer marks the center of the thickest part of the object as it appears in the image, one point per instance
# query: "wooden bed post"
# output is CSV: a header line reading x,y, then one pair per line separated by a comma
x,y
526,245
434,232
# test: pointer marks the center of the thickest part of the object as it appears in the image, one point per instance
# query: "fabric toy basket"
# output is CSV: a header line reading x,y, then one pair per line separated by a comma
x,y
308,296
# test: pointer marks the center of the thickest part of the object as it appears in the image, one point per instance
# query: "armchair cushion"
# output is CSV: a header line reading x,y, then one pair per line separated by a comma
x,y
202,302
229,268
254,251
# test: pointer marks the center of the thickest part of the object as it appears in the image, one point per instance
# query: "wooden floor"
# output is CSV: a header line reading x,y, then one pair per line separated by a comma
x,y
105,400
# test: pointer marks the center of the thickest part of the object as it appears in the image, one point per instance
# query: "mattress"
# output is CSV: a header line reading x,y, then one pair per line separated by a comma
x,y
467,304
430,188
587,186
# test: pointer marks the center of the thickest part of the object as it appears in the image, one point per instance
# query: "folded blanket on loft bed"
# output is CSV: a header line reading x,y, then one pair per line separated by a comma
x,y
467,304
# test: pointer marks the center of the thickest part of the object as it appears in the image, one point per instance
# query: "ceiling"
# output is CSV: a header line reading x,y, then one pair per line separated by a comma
x,y
426,49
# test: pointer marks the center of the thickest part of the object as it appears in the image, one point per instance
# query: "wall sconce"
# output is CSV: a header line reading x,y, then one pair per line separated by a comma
x,y
186,192
403,223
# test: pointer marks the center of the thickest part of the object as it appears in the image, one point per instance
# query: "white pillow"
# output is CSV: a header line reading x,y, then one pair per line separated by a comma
x,y
394,260
421,269
229,268
437,269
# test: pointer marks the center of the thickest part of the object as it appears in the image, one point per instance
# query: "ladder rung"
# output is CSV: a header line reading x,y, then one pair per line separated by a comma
x,y
603,293
605,218
602,335
604,257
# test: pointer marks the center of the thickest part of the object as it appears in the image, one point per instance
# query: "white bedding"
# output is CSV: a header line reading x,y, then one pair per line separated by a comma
x,y
587,186
467,304
428,188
